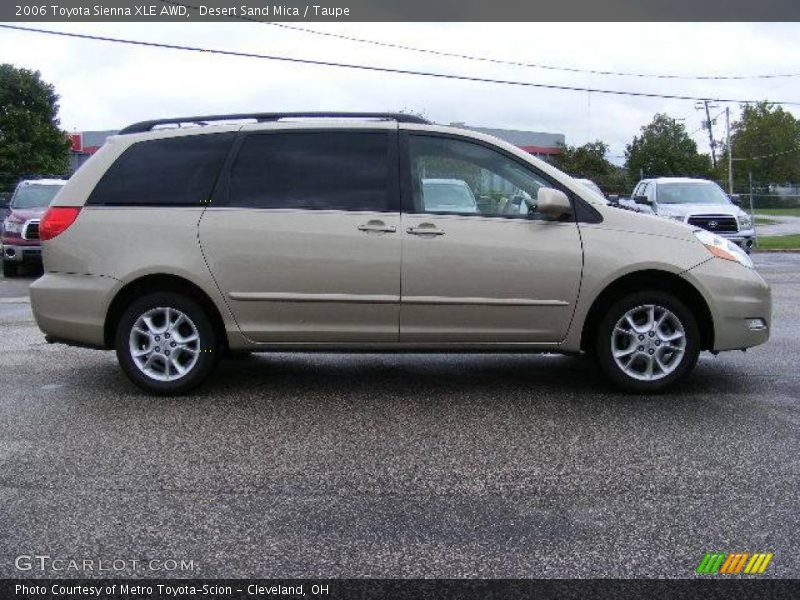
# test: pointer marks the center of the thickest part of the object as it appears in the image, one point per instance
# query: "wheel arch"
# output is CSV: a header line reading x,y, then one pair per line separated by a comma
x,y
650,279
147,284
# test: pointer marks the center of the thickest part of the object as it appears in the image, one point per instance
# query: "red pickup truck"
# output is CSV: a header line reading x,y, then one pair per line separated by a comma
x,y
20,233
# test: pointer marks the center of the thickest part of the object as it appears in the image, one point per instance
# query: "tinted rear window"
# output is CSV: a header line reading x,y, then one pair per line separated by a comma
x,y
178,171
339,170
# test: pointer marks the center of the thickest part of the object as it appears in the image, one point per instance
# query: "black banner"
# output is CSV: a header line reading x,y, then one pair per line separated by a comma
x,y
392,10
405,589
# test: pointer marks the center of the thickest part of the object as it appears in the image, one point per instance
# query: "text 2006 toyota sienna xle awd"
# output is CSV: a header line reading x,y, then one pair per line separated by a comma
x,y
298,232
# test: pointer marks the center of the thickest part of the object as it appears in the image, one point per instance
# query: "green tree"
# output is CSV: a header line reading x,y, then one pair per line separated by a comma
x,y
31,142
589,161
664,149
766,141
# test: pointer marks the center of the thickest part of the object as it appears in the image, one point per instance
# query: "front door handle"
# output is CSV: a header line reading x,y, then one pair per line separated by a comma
x,y
377,226
425,229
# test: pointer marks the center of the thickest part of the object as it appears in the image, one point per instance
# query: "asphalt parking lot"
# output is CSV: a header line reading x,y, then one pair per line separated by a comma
x,y
401,465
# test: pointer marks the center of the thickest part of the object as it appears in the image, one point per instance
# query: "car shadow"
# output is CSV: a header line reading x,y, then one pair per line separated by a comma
x,y
423,378
440,377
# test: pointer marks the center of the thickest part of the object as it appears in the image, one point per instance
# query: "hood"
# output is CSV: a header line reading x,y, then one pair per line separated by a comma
x,y
685,210
645,222
23,214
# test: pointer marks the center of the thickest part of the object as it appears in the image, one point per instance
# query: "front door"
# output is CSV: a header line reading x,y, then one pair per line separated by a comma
x,y
480,265
306,245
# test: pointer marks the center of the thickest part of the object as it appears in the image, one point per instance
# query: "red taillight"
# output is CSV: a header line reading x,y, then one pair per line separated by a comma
x,y
57,220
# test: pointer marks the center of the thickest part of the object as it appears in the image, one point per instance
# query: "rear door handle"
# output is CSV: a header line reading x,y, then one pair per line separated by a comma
x,y
377,226
425,229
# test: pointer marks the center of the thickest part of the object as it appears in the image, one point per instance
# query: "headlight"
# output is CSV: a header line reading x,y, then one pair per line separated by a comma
x,y
722,248
12,226
745,221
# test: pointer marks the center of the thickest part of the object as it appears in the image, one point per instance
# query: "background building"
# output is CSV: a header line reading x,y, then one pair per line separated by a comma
x,y
540,144
83,144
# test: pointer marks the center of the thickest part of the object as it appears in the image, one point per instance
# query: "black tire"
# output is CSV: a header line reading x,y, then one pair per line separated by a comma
x,y
207,346
9,269
681,368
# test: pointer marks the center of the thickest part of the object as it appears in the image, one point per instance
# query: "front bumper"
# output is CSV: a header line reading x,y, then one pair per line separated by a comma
x,y
736,296
743,238
22,254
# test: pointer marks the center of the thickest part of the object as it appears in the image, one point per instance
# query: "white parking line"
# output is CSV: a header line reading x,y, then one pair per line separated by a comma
x,y
17,300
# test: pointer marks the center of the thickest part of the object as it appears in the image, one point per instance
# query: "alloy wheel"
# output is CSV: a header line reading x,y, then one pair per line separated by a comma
x,y
648,342
164,344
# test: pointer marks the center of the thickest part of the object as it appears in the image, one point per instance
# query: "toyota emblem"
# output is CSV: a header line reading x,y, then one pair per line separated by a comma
x,y
712,224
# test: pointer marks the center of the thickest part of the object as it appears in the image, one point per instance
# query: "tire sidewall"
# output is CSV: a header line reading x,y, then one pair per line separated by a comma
x,y
208,344
609,321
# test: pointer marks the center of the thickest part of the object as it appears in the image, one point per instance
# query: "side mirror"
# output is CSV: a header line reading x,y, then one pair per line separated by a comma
x,y
736,199
642,200
553,203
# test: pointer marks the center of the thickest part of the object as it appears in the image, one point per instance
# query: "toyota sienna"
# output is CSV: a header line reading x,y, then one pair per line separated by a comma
x,y
184,239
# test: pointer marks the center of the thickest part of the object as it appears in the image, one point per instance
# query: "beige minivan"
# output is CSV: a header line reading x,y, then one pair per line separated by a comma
x,y
185,239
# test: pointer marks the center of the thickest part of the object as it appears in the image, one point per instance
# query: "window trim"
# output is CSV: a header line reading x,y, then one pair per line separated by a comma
x,y
582,212
221,195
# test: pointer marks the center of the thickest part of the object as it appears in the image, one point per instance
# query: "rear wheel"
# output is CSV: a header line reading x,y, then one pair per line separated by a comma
x,y
166,344
9,269
647,341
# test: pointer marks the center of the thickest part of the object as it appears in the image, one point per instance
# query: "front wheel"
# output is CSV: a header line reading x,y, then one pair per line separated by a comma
x,y
647,341
166,344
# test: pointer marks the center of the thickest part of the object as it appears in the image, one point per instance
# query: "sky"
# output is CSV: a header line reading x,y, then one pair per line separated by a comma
x,y
106,86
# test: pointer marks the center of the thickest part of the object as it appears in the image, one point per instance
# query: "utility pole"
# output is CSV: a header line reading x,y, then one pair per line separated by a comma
x,y
707,125
730,150
752,210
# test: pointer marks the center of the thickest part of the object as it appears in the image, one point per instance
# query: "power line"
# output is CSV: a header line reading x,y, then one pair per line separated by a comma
x,y
497,61
359,67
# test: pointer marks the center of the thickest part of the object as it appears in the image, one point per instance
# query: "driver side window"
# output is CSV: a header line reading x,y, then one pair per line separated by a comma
x,y
451,176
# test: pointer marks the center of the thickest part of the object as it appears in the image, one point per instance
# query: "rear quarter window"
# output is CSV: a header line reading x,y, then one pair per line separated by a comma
x,y
179,171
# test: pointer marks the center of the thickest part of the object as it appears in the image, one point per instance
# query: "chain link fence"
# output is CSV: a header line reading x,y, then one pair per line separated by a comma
x,y
772,196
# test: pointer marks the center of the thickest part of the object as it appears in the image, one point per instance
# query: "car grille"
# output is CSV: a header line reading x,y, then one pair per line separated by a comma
x,y
31,231
715,223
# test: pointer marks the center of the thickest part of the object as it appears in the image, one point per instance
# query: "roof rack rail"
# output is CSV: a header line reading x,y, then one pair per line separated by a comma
x,y
264,117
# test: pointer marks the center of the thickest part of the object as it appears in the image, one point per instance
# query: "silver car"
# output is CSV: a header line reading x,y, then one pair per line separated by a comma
x,y
313,232
448,195
697,202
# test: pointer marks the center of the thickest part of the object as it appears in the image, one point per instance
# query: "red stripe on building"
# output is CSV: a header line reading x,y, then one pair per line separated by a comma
x,y
541,150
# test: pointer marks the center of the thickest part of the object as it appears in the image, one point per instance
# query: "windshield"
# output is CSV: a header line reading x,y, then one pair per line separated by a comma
x,y
691,193
34,196
441,196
